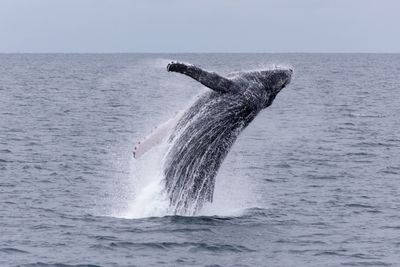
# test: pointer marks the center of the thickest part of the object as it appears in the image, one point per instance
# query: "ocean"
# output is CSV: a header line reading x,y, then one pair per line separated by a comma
x,y
314,180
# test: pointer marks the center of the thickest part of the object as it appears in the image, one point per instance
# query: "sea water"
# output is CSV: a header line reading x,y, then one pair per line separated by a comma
x,y
313,181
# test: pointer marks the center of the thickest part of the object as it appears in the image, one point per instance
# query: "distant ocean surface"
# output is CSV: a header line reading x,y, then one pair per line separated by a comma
x,y
313,181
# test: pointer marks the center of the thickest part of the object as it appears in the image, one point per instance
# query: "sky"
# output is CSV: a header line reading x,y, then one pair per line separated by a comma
x,y
181,26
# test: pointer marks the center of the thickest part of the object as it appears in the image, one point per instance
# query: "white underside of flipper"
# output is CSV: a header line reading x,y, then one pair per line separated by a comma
x,y
159,134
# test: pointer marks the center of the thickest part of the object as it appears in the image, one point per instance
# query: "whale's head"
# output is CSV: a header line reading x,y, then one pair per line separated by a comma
x,y
272,82
263,85
275,80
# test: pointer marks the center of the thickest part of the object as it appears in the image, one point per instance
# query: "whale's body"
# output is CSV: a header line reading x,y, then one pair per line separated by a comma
x,y
199,144
202,137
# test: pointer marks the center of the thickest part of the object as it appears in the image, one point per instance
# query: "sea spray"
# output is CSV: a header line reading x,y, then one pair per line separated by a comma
x,y
150,198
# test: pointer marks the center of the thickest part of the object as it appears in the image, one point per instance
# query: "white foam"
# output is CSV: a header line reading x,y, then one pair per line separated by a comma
x,y
150,199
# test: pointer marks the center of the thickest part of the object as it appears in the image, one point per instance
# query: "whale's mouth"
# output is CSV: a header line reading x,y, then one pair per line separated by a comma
x,y
289,77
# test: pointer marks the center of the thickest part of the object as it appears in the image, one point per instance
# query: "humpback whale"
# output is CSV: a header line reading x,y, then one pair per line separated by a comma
x,y
200,138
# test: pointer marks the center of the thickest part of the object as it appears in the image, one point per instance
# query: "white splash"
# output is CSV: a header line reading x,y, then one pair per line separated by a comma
x,y
150,199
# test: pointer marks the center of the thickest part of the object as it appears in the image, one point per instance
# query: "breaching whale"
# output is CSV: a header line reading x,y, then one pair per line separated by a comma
x,y
200,138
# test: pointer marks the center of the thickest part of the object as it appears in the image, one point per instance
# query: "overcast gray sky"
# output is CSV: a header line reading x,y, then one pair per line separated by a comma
x,y
200,26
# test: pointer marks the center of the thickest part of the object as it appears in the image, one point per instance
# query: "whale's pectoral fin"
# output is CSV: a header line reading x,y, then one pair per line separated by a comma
x,y
156,137
212,80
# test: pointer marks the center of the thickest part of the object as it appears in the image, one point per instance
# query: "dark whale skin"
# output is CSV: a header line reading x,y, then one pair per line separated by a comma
x,y
207,130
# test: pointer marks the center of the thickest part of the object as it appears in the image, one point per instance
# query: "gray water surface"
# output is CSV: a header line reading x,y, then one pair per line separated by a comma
x,y
313,181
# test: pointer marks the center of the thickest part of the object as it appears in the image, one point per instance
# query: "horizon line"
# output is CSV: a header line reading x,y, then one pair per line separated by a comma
x,y
9,53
